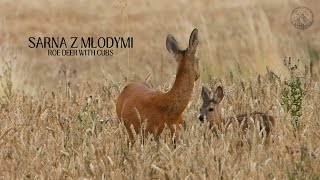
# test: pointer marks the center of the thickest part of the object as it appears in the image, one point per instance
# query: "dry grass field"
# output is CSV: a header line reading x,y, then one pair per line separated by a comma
x,y
57,114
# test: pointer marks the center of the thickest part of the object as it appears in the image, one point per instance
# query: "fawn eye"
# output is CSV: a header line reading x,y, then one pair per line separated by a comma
x,y
210,109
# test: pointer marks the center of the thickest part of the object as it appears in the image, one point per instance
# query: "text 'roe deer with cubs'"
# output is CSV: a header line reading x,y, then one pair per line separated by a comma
x,y
209,111
138,102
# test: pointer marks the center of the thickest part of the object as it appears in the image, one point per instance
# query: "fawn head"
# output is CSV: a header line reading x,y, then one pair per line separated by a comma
x,y
186,56
209,106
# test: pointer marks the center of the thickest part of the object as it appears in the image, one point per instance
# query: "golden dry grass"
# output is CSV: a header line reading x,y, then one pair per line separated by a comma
x,y
251,34
49,130
64,134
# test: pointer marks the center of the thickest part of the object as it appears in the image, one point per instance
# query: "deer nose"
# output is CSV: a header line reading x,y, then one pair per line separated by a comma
x,y
201,118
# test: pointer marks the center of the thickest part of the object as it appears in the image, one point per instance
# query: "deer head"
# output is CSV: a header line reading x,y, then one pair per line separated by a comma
x,y
186,57
210,104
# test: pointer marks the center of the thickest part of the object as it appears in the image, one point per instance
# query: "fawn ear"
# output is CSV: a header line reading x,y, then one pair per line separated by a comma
x,y
218,95
172,45
205,93
193,41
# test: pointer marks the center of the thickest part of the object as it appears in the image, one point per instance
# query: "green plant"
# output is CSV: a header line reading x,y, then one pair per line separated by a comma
x,y
293,93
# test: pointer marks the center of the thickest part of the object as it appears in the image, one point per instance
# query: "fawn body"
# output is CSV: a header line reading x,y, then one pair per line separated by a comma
x,y
209,111
138,102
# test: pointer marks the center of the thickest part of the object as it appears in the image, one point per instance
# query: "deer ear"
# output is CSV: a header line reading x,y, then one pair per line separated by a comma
x,y
218,95
172,45
193,41
205,93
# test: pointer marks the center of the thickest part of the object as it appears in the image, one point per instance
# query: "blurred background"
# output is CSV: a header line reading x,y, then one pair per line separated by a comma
x,y
249,35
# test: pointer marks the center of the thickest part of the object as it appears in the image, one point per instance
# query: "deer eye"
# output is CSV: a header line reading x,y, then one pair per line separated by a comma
x,y
210,109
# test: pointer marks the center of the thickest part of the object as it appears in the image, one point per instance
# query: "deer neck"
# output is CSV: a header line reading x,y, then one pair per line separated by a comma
x,y
179,95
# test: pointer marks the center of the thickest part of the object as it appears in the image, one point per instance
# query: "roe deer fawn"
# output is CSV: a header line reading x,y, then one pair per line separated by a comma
x,y
138,102
209,111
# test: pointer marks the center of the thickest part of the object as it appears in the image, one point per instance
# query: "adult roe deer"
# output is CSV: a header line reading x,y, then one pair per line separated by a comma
x,y
209,110
138,102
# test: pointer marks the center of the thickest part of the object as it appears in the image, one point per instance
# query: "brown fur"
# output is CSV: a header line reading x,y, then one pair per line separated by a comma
x,y
209,111
159,108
